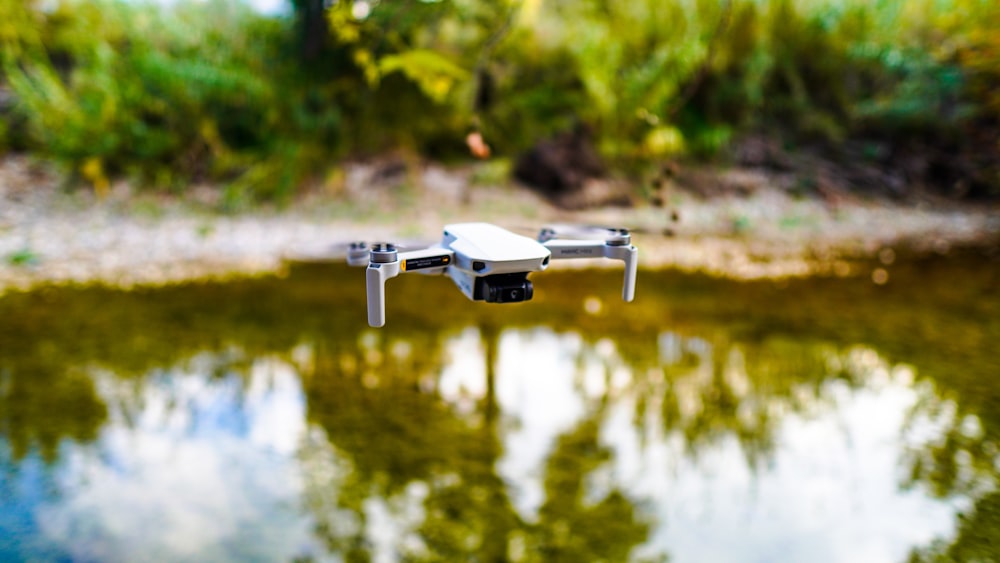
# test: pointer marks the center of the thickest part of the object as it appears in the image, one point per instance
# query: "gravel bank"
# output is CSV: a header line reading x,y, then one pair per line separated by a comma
x,y
50,236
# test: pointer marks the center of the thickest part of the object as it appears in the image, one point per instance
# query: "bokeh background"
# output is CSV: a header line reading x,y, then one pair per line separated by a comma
x,y
808,372
890,96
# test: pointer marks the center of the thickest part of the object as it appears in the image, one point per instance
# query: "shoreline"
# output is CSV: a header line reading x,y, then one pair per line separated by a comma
x,y
52,237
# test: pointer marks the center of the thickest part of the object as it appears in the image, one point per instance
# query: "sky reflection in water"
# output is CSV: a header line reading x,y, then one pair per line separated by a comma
x,y
827,421
193,465
187,467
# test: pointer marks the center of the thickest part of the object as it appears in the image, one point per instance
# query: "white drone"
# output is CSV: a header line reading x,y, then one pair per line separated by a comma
x,y
489,263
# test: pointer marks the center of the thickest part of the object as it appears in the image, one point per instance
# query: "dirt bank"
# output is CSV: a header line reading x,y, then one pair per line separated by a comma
x,y
49,235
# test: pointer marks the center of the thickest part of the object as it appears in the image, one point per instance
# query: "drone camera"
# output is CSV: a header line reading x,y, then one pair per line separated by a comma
x,y
504,288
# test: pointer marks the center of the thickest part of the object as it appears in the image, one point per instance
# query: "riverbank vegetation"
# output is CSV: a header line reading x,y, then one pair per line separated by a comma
x,y
886,97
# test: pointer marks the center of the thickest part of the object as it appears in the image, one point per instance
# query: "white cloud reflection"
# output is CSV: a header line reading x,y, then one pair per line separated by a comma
x,y
540,401
193,465
830,491
202,469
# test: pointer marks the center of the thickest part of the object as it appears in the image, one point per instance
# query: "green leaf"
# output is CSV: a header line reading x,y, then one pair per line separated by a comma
x,y
434,73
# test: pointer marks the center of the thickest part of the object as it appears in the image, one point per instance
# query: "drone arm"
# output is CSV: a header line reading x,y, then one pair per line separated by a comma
x,y
376,276
627,253
630,256
564,249
387,264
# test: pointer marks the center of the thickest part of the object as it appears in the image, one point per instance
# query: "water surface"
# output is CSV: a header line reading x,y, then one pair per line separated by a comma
x,y
818,420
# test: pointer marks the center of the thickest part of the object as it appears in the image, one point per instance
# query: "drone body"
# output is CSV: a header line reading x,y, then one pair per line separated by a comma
x,y
488,263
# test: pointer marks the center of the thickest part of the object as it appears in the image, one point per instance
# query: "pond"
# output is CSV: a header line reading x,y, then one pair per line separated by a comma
x,y
830,419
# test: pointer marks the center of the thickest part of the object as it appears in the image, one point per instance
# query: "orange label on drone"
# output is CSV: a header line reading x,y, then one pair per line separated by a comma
x,y
424,263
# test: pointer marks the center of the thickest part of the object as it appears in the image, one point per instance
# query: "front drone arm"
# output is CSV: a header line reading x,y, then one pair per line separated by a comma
x,y
385,263
375,278
615,249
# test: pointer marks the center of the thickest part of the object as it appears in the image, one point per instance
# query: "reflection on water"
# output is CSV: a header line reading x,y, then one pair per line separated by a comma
x,y
828,420
187,466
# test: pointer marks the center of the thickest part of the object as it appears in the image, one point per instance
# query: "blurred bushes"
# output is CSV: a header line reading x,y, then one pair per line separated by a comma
x,y
911,78
208,90
164,94
213,90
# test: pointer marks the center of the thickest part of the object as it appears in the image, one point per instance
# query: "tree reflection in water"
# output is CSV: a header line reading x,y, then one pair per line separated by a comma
x,y
702,423
406,444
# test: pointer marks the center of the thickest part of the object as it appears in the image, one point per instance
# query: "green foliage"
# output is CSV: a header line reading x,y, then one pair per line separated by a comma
x,y
215,90
537,93
921,96
166,94
979,56
657,79
435,74
19,29
632,59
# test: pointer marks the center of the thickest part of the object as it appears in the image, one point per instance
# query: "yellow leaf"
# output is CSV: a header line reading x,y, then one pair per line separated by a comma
x,y
664,140
362,57
93,170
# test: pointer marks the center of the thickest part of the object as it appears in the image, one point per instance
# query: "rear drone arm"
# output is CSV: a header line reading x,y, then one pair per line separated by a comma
x,y
617,247
385,262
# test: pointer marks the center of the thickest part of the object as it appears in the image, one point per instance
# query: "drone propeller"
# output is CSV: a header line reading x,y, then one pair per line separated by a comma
x,y
580,232
355,252
591,232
